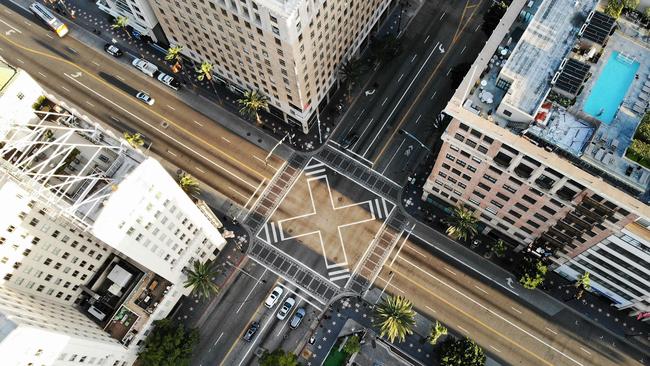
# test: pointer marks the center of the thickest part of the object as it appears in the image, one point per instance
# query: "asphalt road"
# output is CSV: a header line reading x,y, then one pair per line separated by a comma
x,y
103,88
414,87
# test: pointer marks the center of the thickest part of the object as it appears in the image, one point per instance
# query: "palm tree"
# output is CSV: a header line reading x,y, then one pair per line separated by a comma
x,y
462,224
350,72
174,55
134,139
437,331
583,282
395,318
499,248
200,279
251,103
204,72
121,22
188,184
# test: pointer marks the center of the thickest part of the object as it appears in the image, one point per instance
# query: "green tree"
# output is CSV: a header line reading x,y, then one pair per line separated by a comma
x,y
534,274
583,282
437,330
251,103
614,8
121,22
395,318
350,72
169,344
134,139
499,248
643,131
352,345
278,358
188,184
463,224
174,56
200,279
461,352
204,72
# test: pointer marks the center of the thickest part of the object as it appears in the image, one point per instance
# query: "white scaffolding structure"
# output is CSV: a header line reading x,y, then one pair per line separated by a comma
x,y
44,158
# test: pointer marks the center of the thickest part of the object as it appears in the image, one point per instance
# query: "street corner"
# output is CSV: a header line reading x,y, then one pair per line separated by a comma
x,y
318,224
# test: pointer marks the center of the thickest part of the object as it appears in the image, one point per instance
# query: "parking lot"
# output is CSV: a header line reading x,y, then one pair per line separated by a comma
x,y
316,213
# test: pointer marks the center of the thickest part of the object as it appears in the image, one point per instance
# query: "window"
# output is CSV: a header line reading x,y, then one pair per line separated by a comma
x,y
479,194
484,186
533,224
549,210
515,213
489,178
497,204
503,196
541,218
529,199
521,207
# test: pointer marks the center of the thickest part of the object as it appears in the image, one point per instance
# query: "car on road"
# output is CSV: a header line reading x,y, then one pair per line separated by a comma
x,y
349,140
289,302
297,318
169,80
146,67
146,98
252,329
273,297
112,50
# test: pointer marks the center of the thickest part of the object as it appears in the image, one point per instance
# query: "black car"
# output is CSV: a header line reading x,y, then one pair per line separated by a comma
x,y
112,50
349,140
250,333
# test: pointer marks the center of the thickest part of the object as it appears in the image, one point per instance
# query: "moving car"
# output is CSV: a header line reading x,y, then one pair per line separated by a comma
x,y
289,302
112,50
349,140
297,318
252,329
146,67
169,80
146,98
273,297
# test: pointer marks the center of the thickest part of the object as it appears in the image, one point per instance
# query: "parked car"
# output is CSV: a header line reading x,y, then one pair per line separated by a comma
x,y
252,329
146,98
289,302
169,80
349,140
112,50
146,67
273,297
297,318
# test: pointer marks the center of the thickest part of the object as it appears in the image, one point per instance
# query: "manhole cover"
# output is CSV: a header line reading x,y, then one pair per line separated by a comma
x,y
164,124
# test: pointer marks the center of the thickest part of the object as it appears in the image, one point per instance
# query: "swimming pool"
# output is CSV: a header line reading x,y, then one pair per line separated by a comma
x,y
610,89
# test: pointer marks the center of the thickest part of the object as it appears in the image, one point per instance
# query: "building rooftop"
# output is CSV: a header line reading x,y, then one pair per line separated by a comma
x,y
6,74
536,57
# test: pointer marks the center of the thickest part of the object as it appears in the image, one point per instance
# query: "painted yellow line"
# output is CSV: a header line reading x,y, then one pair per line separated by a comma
x,y
247,323
473,318
89,73
459,30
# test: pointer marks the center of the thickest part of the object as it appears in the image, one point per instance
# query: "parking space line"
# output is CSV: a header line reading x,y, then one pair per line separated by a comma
x,y
250,292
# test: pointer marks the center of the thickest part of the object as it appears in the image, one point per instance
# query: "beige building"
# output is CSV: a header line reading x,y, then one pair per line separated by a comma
x,y
290,50
541,170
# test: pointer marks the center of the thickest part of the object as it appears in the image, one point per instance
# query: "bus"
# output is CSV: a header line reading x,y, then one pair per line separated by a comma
x,y
53,22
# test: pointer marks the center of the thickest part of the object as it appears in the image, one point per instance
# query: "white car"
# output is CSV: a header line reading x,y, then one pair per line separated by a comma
x,y
289,302
273,297
169,80
146,98
146,67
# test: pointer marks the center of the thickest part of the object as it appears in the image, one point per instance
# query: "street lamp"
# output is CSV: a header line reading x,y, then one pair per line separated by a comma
x,y
266,159
404,132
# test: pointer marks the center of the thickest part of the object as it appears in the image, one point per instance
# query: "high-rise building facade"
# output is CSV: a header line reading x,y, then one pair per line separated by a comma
x,y
537,162
94,238
141,17
289,50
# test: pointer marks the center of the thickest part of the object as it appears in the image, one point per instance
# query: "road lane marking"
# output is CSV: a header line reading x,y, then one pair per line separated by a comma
x,y
463,50
203,141
391,285
170,107
449,270
434,94
418,119
119,77
494,348
383,126
198,123
414,56
399,250
254,193
443,15
428,307
393,157
415,250
199,169
90,104
96,63
239,193
384,102
426,39
49,36
480,289
218,339
43,75
515,309
171,153
165,133
250,292
551,330
477,320
64,88
19,60
225,139
400,77
9,25
462,329
585,351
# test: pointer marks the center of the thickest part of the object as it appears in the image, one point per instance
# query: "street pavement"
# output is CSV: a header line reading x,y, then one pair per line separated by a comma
x,y
102,87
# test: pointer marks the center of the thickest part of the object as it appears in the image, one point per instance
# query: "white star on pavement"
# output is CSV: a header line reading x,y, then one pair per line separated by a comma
x,y
329,331
324,339
319,346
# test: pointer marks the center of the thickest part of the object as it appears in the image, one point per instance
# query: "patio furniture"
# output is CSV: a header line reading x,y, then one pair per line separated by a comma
x,y
638,109
646,89
643,96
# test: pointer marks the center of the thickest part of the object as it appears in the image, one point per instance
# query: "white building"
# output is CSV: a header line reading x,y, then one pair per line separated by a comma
x,y
94,236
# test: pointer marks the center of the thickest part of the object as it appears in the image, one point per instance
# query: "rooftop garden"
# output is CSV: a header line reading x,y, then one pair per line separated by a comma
x,y
639,149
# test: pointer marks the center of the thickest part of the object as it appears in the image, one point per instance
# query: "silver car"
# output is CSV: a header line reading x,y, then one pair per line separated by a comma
x,y
145,98
289,302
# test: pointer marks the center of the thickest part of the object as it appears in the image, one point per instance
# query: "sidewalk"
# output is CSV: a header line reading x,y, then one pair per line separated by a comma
x,y
590,316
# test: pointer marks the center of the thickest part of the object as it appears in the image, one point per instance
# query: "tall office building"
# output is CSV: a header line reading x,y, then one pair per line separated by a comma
x,y
289,50
141,17
94,236
538,138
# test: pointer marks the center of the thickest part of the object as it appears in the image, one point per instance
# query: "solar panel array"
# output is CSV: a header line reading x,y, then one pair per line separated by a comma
x,y
572,76
599,28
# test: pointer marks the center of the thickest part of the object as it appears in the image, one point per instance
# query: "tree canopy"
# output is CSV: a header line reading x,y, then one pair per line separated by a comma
x,y
395,317
461,352
279,358
169,344
534,274
352,345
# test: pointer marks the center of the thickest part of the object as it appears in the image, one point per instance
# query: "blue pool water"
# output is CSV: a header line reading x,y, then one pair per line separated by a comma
x,y
611,87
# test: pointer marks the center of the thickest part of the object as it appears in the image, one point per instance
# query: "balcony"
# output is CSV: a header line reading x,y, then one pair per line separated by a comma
x,y
545,182
523,171
566,194
502,160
